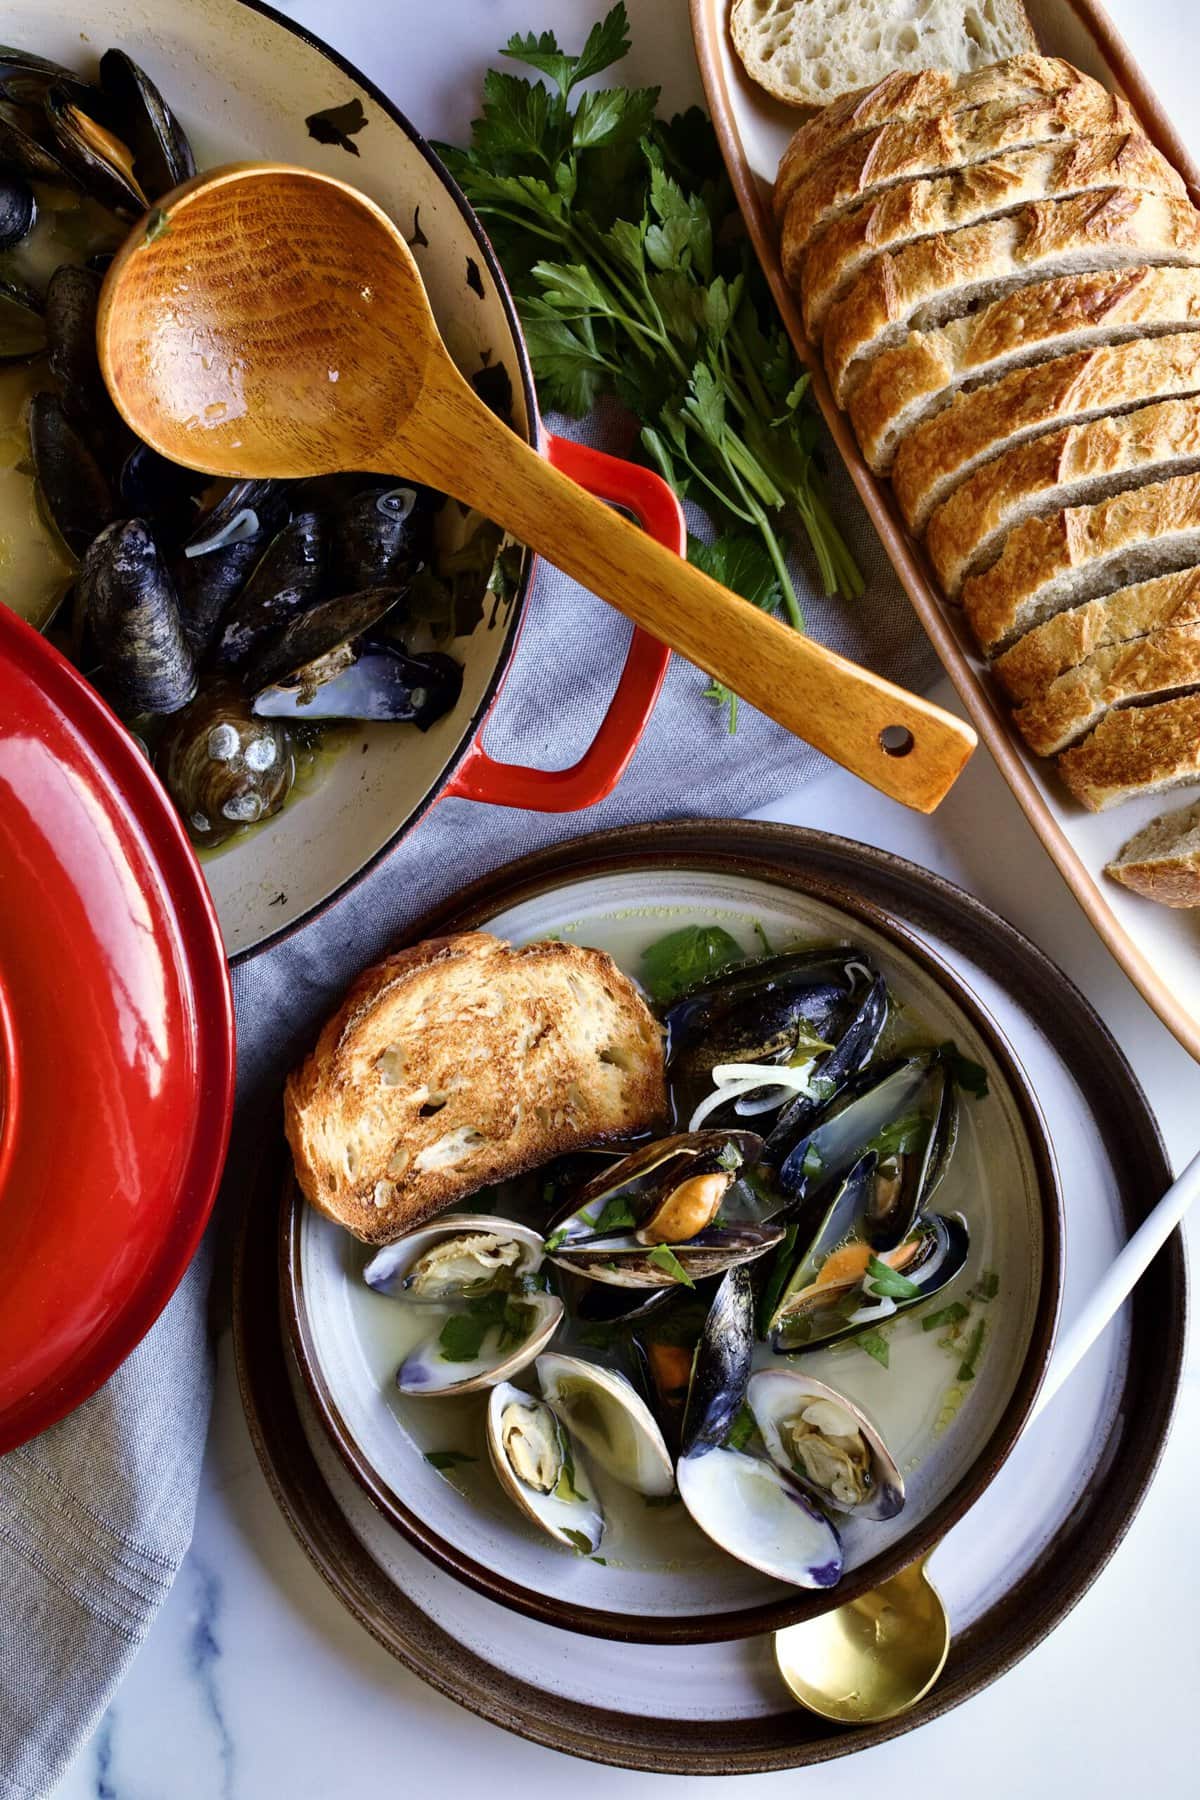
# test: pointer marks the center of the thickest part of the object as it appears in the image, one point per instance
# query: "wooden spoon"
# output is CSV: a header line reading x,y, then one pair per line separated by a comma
x,y
269,321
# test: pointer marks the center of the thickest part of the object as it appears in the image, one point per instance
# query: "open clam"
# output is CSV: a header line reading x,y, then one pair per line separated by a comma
x,y
750,1507
537,1466
605,1413
483,1273
657,1218
827,1442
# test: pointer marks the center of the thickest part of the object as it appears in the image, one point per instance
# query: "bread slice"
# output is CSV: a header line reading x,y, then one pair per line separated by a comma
x,y
1071,467
1068,639
1050,318
902,215
944,276
1135,750
461,1062
1156,667
1162,861
1082,552
807,51
876,162
913,95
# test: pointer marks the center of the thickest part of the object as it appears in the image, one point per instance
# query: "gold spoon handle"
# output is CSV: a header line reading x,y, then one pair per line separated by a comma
x,y
835,705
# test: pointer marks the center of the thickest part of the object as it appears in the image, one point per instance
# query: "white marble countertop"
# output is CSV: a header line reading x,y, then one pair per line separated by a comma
x,y
255,1684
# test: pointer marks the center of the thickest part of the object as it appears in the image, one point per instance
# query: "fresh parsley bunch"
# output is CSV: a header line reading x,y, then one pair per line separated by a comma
x,y
620,238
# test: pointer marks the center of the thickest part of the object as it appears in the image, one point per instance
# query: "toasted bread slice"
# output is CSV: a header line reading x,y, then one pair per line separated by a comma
x,y
1162,861
1157,667
461,1062
1069,638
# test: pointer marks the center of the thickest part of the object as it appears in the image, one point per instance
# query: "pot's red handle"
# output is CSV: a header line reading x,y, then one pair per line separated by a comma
x,y
479,777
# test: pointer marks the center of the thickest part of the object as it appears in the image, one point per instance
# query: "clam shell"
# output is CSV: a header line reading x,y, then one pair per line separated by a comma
x,y
605,1413
560,1517
775,1395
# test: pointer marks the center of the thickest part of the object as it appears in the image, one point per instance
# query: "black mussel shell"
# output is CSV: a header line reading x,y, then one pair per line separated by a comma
x,y
872,1104
18,209
134,621
24,76
225,544
162,156
86,137
74,489
383,683
849,1057
381,537
329,628
22,324
286,580
72,298
721,1370
223,768
760,1012
163,493
21,149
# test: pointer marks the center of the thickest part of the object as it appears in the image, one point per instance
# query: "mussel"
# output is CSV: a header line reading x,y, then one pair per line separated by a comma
x,y
827,1442
655,1218
162,156
18,209
381,537
760,1036
22,324
224,768
284,582
121,142
225,545
320,641
842,1283
750,1507
540,1470
383,682
74,489
134,622
483,1273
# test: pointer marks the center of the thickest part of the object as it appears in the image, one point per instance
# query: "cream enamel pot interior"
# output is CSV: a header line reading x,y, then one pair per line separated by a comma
x,y
243,82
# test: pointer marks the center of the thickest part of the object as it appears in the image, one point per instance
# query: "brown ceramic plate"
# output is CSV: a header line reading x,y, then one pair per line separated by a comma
x,y
1157,946
1091,1092
666,1583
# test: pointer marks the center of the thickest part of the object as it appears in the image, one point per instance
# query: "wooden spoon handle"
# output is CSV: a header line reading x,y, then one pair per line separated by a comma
x,y
901,744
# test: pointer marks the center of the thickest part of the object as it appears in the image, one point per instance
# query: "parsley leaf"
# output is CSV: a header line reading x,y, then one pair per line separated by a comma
x,y
900,1137
953,1314
685,958
448,1459
616,1216
742,1429
875,1344
461,1338
987,1287
887,1282
966,1368
664,1258
580,1540
970,1076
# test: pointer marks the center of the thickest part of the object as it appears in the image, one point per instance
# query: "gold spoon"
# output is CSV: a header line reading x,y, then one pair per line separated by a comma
x,y
873,1658
269,321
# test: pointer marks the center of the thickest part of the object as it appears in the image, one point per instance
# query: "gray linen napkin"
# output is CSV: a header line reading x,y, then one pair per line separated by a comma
x,y
96,1515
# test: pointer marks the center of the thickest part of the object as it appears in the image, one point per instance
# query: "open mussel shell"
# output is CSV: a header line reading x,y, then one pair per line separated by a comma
x,y
21,149
225,545
25,76
320,641
760,1515
382,683
909,1111
464,1263
134,622
848,1058
827,1442
18,209
86,134
222,767
784,1013
22,324
539,1468
162,156
284,582
721,1366
604,1413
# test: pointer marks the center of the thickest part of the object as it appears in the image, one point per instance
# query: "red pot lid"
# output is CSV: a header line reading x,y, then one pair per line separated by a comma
x,y
116,1040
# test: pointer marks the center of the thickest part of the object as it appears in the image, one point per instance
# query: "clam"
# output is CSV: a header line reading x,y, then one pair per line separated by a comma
x,y
754,1039
134,621
224,768
749,1507
842,1282
604,1412
484,1273
827,1442
383,682
655,1218
537,1466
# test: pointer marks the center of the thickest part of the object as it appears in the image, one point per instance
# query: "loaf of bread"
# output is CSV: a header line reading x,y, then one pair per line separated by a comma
x,y
806,52
1162,861
1049,318
1070,637
824,270
1081,552
461,1062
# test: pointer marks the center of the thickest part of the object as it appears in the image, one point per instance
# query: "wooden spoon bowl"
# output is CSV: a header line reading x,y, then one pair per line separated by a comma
x,y
269,321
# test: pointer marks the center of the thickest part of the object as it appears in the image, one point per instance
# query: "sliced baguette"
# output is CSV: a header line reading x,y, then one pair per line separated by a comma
x,y
943,276
1156,667
1135,750
807,51
1082,552
1050,318
870,165
461,1062
1071,467
911,95
902,215
1162,861
1068,639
